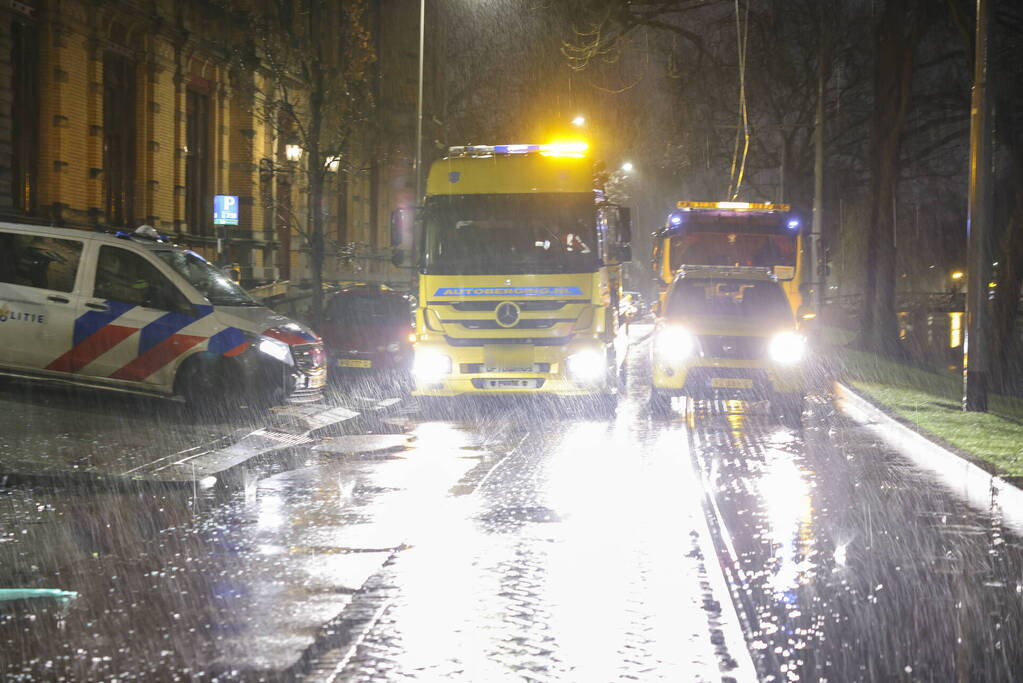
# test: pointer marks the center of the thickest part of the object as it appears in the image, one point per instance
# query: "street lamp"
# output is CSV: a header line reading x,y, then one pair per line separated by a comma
x,y
579,121
293,152
419,105
627,167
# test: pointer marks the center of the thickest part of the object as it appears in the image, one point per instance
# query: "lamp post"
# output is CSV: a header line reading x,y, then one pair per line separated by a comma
x,y
975,352
419,106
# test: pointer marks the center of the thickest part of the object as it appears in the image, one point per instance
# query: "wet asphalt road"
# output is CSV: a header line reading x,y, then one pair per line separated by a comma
x,y
524,541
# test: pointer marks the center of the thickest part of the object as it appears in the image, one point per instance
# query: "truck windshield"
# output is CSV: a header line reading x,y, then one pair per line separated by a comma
x,y
511,234
211,282
736,298
735,239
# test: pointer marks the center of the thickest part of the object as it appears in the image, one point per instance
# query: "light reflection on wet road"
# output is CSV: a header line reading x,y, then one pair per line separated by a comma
x,y
525,543
577,559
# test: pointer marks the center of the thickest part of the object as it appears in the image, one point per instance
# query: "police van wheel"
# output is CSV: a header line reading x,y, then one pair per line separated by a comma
x,y
201,384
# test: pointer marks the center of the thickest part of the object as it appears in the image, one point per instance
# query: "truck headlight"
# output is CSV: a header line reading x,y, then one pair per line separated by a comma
x,y
586,366
275,349
787,348
431,365
673,344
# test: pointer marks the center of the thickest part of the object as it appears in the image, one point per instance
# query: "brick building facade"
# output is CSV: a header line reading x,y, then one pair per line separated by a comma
x,y
115,114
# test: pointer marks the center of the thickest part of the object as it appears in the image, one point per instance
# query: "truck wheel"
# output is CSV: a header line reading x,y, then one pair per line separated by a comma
x,y
435,407
660,403
789,407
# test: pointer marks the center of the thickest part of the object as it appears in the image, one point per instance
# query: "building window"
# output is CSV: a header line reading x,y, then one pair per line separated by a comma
x,y
119,138
24,116
198,197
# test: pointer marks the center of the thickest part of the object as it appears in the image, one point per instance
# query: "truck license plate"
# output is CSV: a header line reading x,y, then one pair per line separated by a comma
x,y
511,384
355,363
730,383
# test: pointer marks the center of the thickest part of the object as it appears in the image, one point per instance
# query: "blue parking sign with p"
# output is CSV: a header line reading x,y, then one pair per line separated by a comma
x,y
225,209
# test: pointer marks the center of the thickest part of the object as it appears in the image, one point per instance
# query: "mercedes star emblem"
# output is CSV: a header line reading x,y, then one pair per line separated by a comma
x,y
507,314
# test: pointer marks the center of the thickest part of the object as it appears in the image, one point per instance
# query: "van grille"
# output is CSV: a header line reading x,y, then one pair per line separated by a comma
x,y
733,348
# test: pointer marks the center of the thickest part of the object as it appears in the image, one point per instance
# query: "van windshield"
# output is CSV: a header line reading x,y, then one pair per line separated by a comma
x,y
735,298
211,282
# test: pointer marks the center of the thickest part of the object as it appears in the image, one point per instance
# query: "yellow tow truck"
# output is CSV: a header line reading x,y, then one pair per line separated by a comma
x,y
519,275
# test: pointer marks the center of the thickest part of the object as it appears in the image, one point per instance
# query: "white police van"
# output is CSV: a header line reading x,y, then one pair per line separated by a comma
x,y
133,312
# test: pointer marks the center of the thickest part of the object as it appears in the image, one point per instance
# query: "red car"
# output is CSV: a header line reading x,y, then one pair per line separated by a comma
x,y
368,331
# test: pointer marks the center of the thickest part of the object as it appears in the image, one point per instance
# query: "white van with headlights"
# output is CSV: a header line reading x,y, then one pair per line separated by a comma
x,y
728,333
133,312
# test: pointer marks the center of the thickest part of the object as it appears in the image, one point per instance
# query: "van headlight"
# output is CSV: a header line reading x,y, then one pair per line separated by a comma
x,y
787,348
275,348
586,366
674,344
431,365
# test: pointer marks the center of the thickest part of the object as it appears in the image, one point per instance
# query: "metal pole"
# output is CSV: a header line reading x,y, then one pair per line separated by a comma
x,y
419,106
818,276
975,351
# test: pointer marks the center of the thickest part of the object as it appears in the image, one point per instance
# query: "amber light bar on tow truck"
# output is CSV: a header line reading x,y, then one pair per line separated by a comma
x,y
725,271
575,150
734,206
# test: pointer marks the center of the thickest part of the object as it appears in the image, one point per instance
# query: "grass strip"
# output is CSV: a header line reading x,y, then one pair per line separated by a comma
x,y
932,401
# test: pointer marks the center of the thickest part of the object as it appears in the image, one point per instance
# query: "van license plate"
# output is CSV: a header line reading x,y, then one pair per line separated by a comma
x,y
355,363
730,383
511,384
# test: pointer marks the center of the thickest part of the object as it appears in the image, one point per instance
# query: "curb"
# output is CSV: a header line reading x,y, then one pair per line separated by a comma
x,y
983,490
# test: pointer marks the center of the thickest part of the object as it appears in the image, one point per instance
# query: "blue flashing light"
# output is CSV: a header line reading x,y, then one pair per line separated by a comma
x,y
675,218
516,149
794,224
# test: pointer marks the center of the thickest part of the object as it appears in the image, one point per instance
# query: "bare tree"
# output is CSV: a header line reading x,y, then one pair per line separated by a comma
x,y
313,62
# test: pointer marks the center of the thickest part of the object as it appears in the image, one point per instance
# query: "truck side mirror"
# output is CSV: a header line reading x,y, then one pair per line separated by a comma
x,y
624,234
625,225
402,222
397,257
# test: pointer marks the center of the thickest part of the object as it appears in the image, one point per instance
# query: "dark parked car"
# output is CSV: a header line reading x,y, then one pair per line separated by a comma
x,y
368,332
